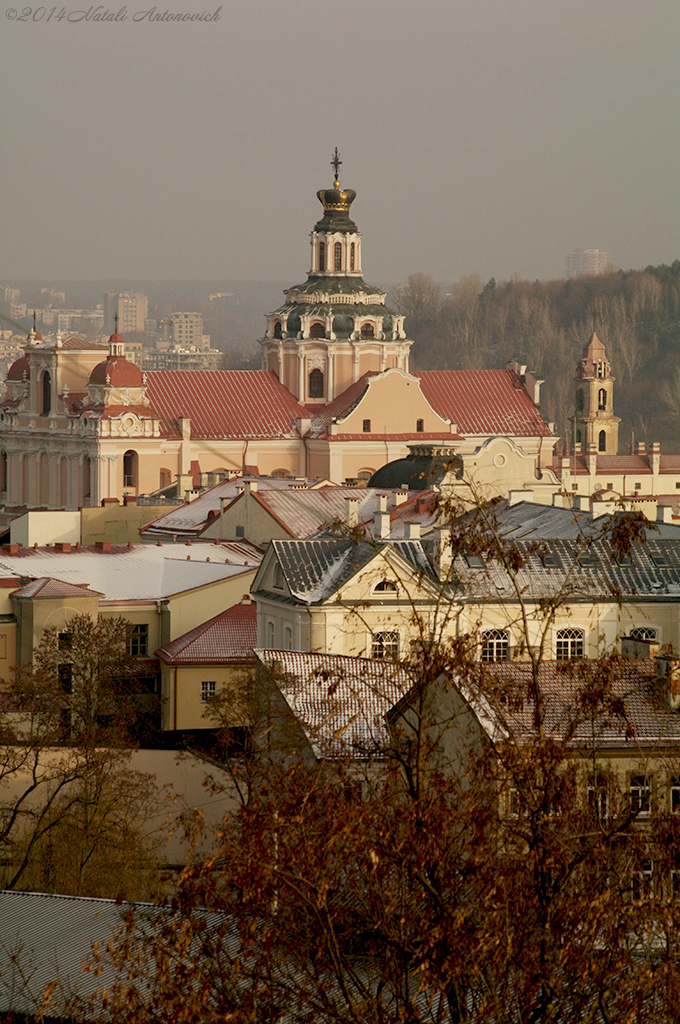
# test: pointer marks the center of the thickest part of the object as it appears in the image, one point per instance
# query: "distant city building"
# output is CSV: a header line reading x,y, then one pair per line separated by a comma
x,y
132,309
187,330
68,320
586,261
177,357
11,295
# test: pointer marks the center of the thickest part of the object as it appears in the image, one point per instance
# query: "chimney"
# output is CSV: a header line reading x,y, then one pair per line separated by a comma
x,y
655,458
668,679
250,486
129,499
352,511
103,545
412,531
592,459
381,500
442,553
401,496
381,527
638,650
641,448
184,424
63,546
664,513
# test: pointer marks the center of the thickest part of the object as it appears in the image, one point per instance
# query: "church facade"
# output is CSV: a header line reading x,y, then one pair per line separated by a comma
x,y
335,400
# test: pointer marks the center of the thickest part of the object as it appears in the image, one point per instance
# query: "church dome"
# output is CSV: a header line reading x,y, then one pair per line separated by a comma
x,y
121,373
424,468
19,368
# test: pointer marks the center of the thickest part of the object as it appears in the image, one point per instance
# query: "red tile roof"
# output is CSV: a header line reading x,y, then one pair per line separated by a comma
x,y
339,408
51,588
227,638
236,404
489,402
79,343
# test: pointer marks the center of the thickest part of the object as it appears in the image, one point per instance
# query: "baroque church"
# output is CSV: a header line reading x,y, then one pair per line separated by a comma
x,y
335,400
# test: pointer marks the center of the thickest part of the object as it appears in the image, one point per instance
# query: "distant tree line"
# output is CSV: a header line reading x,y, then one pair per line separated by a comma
x,y
546,324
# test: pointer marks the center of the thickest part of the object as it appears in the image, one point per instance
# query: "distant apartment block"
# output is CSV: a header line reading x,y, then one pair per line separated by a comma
x,y
68,320
132,309
187,330
586,261
179,358
10,294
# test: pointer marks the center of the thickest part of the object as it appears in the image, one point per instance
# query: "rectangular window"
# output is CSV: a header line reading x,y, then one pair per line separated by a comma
x,y
208,690
420,426
513,801
385,645
240,531
597,796
138,643
64,641
65,675
641,795
366,427
674,794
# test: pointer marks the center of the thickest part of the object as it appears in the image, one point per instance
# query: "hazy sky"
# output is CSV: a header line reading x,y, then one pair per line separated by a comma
x,y
487,136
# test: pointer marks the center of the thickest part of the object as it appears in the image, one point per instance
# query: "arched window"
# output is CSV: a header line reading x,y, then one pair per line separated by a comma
x,y
579,400
46,393
385,645
317,330
569,644
165,477
337,256
288,638
602,399
351,256
271,634
277,329
316,384
602,442
647,633
495,645
385,586
130,469
367,331
322,255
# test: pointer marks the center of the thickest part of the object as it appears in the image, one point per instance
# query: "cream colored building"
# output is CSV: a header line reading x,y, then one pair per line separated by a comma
x,y
335,400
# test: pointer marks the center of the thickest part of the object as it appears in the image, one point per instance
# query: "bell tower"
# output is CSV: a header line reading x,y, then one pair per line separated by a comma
x,y
595,427
334,328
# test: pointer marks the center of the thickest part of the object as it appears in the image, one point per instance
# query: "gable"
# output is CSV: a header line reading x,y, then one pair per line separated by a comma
x,y
393,403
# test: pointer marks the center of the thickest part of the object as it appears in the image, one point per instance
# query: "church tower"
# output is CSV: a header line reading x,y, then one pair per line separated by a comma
x,y
596,428
333,328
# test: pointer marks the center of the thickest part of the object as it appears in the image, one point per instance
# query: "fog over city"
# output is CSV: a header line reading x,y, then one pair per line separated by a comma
x,y
481,137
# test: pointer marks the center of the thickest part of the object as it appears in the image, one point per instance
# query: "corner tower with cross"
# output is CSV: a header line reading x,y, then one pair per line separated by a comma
x,y
334,328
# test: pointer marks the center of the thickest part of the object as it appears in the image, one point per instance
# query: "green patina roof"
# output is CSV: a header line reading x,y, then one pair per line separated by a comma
x,y
344,285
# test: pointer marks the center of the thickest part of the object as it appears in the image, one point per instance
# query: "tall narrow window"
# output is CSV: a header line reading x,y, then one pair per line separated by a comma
x,y
208,690
602,399
337,256
322,256
351,256
579,400
130,469
277,329
46,393
602,442
138,641
420,426
578,437
316,384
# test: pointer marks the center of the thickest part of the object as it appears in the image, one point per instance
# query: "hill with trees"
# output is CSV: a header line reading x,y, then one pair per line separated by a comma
x,y
546,324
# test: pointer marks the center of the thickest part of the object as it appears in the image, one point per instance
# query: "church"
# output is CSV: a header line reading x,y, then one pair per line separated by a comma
x,y
335,400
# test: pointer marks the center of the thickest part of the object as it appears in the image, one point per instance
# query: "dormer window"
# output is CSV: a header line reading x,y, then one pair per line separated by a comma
x,y
367,331
277,329
317,330
337,256
316,384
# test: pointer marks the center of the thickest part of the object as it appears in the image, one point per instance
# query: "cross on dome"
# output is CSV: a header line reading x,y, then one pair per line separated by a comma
x,y
336,164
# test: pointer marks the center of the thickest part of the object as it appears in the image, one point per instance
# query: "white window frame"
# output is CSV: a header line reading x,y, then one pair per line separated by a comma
x,y
270,634
208,689
571,636
640,790
385,645
495,645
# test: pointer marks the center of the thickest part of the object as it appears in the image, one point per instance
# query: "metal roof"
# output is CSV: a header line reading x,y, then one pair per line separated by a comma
x,y
339,701
141,572
487,402
316,568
